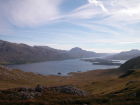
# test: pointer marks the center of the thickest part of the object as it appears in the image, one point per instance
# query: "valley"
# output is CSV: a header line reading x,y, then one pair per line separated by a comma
x,y
75,77
69,52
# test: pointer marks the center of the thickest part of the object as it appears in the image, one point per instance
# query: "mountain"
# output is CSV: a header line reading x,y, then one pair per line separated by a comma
x,y
125,55
13,53
77,52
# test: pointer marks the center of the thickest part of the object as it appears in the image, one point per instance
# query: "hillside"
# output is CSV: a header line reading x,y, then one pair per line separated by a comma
x,y
131,64
14,53
125,55
103,87
16,78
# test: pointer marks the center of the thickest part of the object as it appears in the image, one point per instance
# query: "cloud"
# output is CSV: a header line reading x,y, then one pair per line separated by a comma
x,y
113,10
88,11
84,12
126,11
30,12
98,3
117,21
38,12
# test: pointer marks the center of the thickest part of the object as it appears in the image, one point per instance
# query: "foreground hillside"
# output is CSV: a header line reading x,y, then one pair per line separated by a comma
x,y
15,78
102,87
131,64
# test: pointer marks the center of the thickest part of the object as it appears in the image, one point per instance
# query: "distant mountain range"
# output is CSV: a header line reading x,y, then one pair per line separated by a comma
x,y
13,53
125,55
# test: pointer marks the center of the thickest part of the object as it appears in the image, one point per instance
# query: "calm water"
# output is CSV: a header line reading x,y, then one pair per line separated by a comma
x,y
65,66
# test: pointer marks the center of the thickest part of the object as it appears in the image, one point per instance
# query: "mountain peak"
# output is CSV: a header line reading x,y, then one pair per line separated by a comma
x,y
76,49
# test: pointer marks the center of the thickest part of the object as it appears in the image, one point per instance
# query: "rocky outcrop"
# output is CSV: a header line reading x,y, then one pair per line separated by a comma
x,y
68,90
24,93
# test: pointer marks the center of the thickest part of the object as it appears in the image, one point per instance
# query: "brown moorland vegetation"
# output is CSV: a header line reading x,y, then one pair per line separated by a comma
x,y
104,87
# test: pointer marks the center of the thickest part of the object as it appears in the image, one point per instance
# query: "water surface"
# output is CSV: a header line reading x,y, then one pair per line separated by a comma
x,y
64,67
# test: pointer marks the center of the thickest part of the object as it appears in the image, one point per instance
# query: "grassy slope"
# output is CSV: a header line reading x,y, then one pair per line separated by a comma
x,y
105,86
16,78
96,82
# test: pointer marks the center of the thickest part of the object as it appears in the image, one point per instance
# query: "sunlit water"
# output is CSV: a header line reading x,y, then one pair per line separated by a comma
x,y
64,67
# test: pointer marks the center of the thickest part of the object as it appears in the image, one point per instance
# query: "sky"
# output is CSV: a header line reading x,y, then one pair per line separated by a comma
x,y
94,25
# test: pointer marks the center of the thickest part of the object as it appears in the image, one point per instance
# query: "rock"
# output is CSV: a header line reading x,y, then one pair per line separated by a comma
x,y
24,93
31,89
22,89
68,90
59,73
39,88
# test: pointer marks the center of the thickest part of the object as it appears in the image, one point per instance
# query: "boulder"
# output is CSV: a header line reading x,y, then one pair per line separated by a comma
x,y
68,90
24,93
39,88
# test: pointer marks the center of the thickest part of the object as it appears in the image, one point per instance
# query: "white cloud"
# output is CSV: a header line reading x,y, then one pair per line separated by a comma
x,y
126,11
86,11
30,12
114,10
121,14
98,3
38,12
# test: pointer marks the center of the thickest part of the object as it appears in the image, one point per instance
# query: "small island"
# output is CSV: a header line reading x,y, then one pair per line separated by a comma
x,y
99,61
